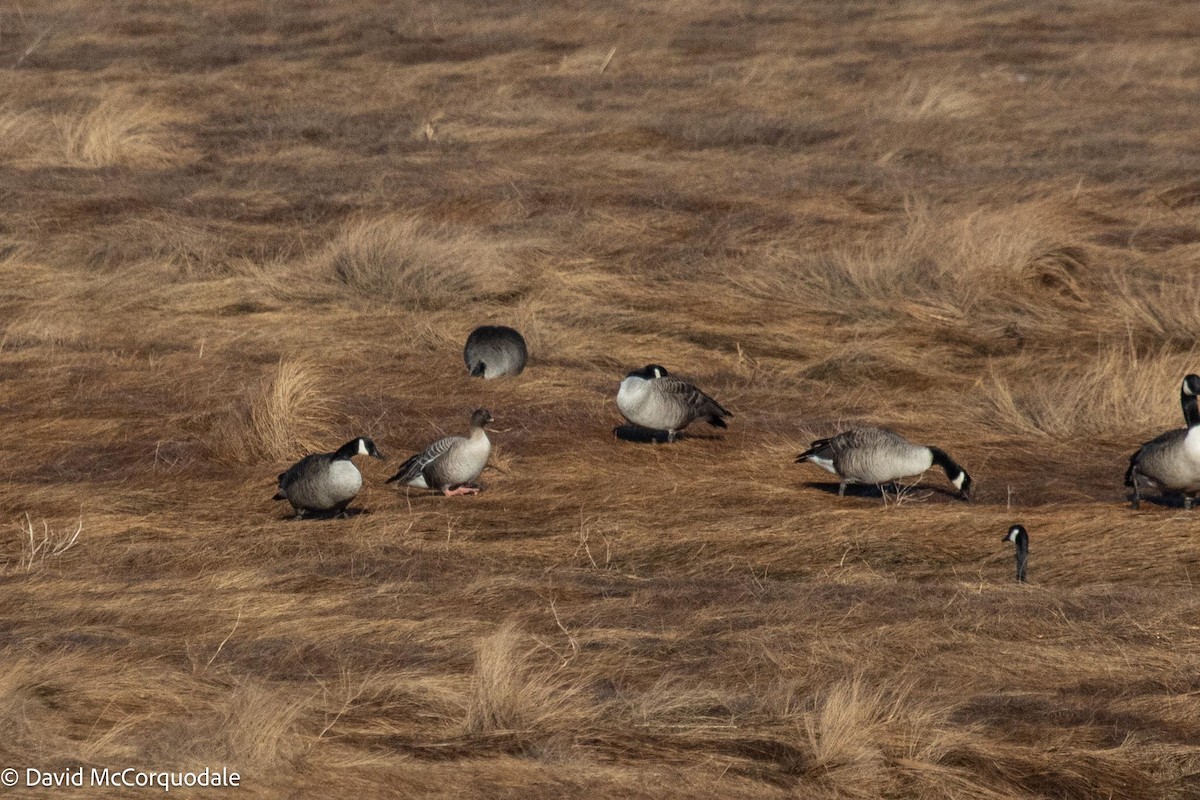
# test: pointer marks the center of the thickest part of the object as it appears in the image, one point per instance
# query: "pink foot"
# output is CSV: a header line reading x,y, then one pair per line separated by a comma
x,y
465,489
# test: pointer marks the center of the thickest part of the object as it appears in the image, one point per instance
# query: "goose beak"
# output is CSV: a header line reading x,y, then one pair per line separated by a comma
x,y
964,495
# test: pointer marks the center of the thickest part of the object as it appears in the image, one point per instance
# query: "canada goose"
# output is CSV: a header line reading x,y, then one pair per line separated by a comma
x,y
495,350
1171,461
1189,398
879,455
451,464
1017,535
652,398
325,481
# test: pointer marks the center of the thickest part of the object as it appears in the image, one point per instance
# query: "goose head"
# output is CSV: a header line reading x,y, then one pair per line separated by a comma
x,y
649,372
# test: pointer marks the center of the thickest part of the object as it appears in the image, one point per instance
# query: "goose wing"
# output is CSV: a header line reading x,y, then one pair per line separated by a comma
x,y
296,472
821,449
418,463
1151,455
699,402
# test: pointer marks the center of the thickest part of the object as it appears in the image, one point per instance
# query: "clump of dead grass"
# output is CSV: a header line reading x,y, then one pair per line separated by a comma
x,y
1163,308
1115,393
119,130
917,100
864,741
280,417
519,701
412,263
975,271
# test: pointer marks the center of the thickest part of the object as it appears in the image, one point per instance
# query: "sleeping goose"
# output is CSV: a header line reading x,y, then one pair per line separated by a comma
x,y
1171,461
325,482
654,399
495,350
878,456
451,464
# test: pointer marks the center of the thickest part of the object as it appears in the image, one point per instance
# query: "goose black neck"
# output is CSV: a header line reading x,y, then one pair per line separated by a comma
x,y
346,451
948,464
1022,544
1191,408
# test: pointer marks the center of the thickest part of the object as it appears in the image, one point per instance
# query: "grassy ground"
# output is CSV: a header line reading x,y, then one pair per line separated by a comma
x,y
236,232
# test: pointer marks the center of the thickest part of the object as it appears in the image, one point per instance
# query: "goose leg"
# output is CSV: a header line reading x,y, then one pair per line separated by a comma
x,y
1135,502
1187,502
842,489
465,488
670,437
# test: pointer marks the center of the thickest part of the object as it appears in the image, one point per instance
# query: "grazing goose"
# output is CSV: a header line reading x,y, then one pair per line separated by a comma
x,y
1018,536
1171,461
495,350
325,482
879,455
450,464
652,398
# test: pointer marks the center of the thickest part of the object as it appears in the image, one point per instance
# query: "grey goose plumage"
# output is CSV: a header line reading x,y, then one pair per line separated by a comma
x,y
325,482
653,398
879,456
1019,537
452,463
493,351
1171,461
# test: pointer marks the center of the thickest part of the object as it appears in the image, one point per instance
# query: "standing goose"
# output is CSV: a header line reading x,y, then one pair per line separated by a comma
x,y
1189,398
879,455
325,482
652,398
451,464
1018,536
495,350
1171,461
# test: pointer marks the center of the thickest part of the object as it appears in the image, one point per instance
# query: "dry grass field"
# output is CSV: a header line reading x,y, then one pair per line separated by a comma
x,y
236,232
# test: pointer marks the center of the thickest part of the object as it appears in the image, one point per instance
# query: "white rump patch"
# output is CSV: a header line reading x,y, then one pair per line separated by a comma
x,y
419,482
823,463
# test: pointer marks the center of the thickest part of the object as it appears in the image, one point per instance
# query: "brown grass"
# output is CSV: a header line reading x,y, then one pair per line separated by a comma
x,y
419,266
234,237
280,417
118,130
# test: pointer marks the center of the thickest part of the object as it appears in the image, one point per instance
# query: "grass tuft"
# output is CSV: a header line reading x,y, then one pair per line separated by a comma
x,y
119,130
518,701
420,266
283,417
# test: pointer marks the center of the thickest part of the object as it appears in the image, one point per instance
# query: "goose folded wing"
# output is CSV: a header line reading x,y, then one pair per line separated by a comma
x,y
693,397
418,463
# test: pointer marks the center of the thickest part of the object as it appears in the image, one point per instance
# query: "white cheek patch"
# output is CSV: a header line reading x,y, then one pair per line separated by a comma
x,y
958,482
362,448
